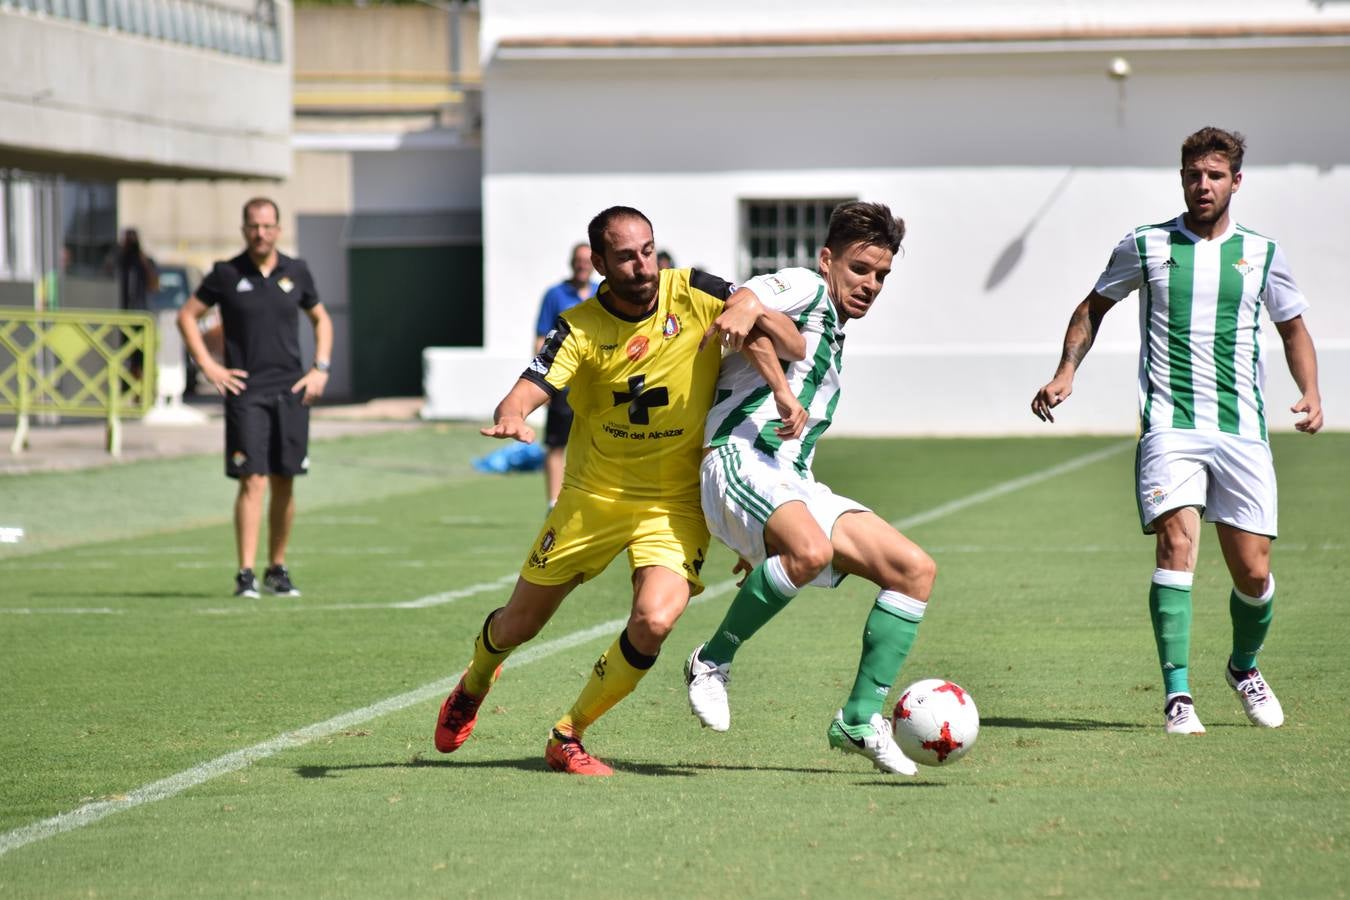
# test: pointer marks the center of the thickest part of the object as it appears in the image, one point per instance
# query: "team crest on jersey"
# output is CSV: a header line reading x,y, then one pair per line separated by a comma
x,y
637,348
672,326
539,558
285,284
776,284
1244,268
238,458
1156,496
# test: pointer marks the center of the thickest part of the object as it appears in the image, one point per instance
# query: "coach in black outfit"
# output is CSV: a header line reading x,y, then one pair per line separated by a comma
x,y
267,390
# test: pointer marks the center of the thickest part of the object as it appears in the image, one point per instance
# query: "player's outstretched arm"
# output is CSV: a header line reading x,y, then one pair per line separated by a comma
x,y
508,421
761,353
1301,355
1078,338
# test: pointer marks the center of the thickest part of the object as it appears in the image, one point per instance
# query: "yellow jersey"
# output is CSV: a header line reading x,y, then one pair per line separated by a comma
x,y
639,389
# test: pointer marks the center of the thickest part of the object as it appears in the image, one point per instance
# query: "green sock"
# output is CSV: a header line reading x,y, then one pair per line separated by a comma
x,y
1169,606
891,628
1251,622
766,590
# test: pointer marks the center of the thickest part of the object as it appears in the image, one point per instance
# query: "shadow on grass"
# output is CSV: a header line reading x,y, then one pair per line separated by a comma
x,y
1059,724
537,764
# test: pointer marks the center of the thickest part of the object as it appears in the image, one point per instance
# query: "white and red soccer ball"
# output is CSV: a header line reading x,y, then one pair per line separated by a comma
x,y
935,722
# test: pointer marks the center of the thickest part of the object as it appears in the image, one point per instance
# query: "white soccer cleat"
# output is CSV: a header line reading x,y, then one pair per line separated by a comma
x,y
708,691
874,741
1180,716
1258,700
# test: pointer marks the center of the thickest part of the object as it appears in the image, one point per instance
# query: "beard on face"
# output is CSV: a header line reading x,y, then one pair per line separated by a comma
x,y
637,291
1217,207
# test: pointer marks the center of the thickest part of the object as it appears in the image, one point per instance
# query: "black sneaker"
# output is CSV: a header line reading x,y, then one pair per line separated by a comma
x,y
276,580
246,584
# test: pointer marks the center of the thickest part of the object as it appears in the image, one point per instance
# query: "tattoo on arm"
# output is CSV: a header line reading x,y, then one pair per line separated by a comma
x,y
1078,338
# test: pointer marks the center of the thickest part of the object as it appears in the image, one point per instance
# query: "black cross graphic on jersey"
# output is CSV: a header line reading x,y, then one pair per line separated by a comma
x,y
640,399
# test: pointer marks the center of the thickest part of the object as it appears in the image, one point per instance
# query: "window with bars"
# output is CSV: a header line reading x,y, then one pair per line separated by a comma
x,y
778,234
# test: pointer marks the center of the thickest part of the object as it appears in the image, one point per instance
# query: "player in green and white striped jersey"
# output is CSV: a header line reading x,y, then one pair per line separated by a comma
x,y
762,501
1202,281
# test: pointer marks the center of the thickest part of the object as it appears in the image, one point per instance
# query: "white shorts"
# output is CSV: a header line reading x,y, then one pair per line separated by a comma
x,y
741,489
1230,479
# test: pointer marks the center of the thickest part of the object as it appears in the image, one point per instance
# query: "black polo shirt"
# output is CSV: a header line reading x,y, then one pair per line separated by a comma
x,y
261,318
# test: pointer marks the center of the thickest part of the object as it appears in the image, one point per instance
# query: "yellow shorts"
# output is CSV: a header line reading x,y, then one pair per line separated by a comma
x,y
583,534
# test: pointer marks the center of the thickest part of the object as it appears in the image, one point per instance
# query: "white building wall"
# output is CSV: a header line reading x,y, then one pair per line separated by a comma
x,y
1017,172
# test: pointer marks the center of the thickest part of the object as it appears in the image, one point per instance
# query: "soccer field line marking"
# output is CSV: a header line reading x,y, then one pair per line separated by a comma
x,y
426,602
239,759
1016,484
69,611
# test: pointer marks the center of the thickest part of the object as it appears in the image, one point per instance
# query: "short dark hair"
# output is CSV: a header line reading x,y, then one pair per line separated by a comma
x,y
1230,144
856,222
596,230
261,201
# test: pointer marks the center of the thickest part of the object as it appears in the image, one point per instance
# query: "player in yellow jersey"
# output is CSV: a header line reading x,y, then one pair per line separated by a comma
x,y
641,373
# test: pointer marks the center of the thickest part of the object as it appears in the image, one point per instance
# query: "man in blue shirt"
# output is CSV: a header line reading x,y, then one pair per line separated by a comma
x,y
562,296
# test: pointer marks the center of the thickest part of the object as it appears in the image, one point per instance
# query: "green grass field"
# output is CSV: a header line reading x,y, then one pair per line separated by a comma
x,y
151,745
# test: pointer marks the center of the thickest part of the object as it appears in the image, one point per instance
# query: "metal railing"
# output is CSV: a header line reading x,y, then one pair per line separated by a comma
x,y
78,363
195,23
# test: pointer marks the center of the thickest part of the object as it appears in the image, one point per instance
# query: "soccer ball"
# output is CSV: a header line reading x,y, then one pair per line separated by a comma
x,y
935,722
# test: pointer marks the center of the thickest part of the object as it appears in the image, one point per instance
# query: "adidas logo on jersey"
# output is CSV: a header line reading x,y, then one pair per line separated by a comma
x,y
1171,263
243,286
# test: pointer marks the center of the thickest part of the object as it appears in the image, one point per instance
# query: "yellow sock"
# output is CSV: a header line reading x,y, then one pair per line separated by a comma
x,y
616,673
482,671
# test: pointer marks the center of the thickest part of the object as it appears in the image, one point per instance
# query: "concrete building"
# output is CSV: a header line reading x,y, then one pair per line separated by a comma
x,y
96,91
383,198
1020,142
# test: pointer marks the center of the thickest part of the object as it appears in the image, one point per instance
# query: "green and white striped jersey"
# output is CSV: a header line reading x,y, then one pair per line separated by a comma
x,y
1200,347
744,412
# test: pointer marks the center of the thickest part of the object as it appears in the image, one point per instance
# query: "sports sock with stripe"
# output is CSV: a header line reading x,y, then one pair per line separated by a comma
x,y
888,636
614,676
480,675
1251,622
1169,607
767,589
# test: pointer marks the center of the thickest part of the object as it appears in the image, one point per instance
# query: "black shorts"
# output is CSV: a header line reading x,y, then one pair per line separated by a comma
x,y
559,421
266,435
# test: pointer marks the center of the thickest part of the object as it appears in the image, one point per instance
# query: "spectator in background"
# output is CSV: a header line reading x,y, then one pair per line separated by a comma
x,y
137,279
664,260
562,296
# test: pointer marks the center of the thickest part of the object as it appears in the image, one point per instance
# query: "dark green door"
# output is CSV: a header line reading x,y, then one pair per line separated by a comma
x,y
403,300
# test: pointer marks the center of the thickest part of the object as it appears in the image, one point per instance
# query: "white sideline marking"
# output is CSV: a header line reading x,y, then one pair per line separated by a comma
x,y
57,566
72,610
340,520
420,603
1016,484
239,759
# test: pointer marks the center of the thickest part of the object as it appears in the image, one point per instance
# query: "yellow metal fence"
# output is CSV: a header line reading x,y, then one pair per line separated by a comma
x,y
76,363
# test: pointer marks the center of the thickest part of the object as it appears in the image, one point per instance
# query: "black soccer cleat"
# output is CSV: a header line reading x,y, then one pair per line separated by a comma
x,y
277,581
246,584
